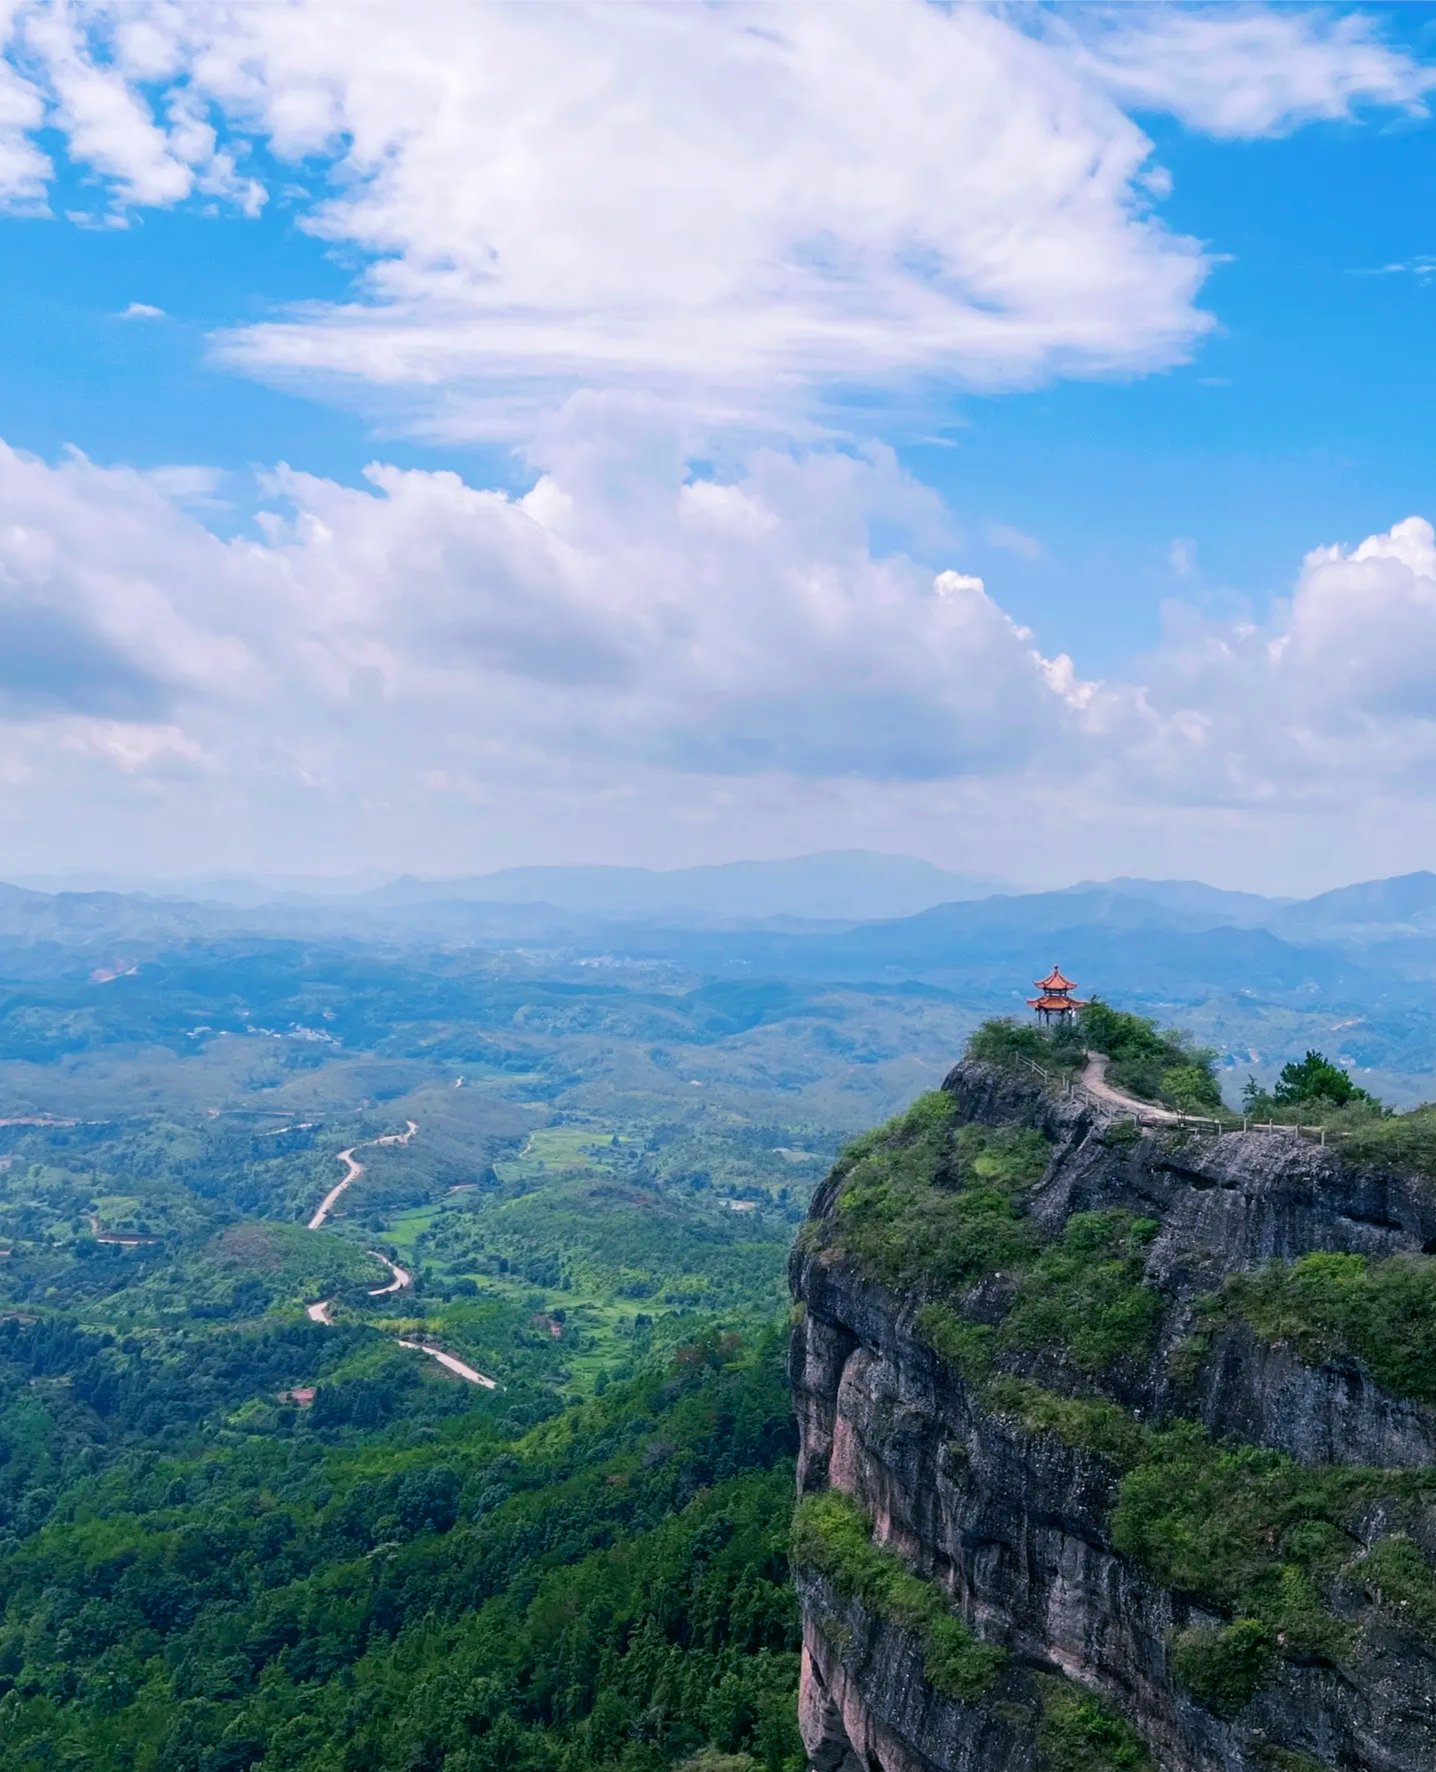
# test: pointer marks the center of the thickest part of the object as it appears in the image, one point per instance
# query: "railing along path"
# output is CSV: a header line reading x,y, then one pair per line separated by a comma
x,y
1075,1087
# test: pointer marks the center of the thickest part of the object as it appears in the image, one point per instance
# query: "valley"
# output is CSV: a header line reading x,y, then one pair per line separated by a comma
x,y
718,914
466,1305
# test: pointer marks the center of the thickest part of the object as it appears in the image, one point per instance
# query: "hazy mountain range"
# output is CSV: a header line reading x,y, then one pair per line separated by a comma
x,y
1349,969
898,910
839,915
842,885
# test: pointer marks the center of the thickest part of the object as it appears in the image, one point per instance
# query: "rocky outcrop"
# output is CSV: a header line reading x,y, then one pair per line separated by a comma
x,y
1016,1524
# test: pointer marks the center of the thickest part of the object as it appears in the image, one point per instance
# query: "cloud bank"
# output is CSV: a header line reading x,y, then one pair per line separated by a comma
x,y
683,259
628,643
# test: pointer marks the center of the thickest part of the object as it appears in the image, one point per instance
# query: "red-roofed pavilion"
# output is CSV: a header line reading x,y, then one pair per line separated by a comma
x,y
1056,1000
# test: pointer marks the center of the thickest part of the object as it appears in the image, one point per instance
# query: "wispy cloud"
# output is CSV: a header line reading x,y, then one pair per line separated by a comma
x,y
1182,557
1246,70
1015,541
764,214
141,310
1422,268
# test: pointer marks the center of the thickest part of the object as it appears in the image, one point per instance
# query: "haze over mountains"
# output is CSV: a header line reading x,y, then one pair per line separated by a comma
x,y
1259,978
841,885
895,908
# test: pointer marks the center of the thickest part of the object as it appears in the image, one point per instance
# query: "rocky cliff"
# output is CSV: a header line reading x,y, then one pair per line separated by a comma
x,y
1117,1448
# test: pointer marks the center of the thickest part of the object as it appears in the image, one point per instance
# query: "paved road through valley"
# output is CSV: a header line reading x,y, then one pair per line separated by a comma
x,y
402,1279
353,1169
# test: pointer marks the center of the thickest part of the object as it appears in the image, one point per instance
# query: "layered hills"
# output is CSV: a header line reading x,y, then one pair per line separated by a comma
x,y
1260,980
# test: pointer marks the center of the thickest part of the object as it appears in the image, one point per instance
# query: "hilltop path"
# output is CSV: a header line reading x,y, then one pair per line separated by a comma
x,y
1094,1081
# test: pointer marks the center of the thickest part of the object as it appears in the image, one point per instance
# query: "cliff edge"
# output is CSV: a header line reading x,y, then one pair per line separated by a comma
x,y
1118,1447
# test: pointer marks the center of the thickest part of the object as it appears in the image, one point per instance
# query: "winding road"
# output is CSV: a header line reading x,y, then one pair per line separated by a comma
x,y
402,1279
353,1169
454,1364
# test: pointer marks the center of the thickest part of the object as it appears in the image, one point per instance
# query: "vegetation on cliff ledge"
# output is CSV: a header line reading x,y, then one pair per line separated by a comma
x,y
930,1208
833,1536
1381,1312
927,1207
1262,1537
1079,1733
1083,1294
1314,1562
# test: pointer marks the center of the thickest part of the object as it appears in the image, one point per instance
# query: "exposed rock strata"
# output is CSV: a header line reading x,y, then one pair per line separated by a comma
x,y
1016,1524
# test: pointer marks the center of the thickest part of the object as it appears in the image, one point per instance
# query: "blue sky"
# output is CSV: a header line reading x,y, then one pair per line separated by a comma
x,y
881,427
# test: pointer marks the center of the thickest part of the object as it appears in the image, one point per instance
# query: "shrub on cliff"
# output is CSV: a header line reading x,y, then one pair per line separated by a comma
x,y
1224,1668
926,1208
1312,1089
1078,1733
1398,1575
1085,1294
1382,1312
1012,1044
832,1535
1252,1531
1393,1141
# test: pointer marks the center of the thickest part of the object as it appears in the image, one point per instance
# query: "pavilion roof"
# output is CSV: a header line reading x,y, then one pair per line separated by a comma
x,y
1054,981
1056,1000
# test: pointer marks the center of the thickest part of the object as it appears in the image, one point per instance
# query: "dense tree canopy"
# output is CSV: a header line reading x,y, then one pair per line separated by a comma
x,y
606,1589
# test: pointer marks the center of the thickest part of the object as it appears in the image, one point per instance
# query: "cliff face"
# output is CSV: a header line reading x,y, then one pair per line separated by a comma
x,y
1074,1474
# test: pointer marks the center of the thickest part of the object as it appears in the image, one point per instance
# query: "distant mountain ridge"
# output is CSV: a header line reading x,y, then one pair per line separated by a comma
x,y
824,915
1348,970
853,885
1403,904
1193,896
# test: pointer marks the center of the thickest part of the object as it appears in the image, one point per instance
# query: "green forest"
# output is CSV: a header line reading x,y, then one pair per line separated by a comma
x,y
397,1577
391,1349
490,1468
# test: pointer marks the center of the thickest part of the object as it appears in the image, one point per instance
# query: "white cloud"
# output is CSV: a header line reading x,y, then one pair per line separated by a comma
x,y
700,218
129,746
620,645
140,310
1361,634
108,604
1328,703
1422,268
85,70
741,207
24,169
621,622
1237,70
751,209
1182,556
107,123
